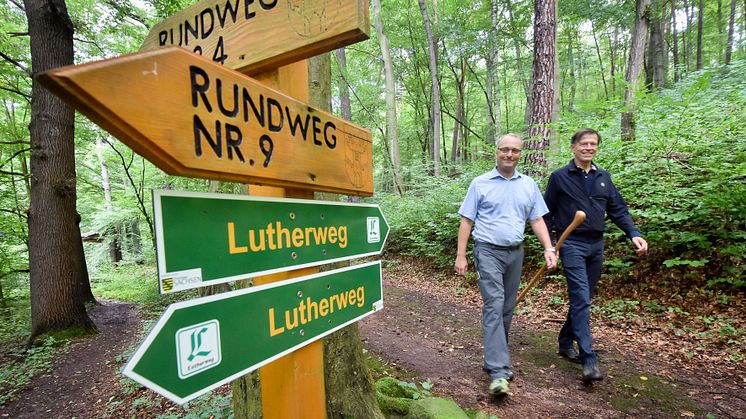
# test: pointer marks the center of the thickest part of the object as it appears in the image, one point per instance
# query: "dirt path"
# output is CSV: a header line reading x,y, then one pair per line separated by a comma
x,y
432,332
429,329
85,378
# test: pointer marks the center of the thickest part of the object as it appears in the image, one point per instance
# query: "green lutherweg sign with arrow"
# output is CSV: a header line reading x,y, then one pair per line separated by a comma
x,y
204,239
200,344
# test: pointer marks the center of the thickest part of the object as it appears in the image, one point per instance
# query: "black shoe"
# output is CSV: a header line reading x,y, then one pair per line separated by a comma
x,y
570,354
591,372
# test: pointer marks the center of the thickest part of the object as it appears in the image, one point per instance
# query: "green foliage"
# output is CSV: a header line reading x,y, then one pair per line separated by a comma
x,y
425,221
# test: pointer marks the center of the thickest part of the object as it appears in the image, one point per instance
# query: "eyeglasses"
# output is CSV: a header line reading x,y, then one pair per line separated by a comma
x,y
507,150
587,145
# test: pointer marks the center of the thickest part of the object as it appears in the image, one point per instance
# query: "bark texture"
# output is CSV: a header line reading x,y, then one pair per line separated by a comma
x,y
543,90
57,264
634,67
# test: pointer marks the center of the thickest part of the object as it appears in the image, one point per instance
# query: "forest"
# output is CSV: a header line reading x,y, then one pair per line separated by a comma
x,y
437,83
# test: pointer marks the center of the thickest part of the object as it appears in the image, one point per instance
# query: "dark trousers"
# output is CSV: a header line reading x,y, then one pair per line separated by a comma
x,y
582,264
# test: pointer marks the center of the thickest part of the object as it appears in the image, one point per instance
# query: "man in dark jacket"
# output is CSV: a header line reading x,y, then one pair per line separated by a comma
x,y
581,185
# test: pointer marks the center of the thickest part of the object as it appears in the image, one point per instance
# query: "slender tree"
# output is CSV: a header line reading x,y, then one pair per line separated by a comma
x,y
700,24
492,79
731,29
675,38
634,67
543,90
434,127
57,264
656,69
392,131
345,107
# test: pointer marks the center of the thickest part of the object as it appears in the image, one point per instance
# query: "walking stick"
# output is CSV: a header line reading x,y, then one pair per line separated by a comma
x,y
579,218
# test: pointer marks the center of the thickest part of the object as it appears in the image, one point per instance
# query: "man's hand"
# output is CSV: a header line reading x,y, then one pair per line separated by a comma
x,y
461,265
551,258
641,246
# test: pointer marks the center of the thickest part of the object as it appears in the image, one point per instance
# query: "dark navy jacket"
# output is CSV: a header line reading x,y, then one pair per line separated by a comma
x,y
567,193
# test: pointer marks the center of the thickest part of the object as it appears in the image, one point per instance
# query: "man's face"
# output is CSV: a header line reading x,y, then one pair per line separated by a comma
x,y
585,148
508,153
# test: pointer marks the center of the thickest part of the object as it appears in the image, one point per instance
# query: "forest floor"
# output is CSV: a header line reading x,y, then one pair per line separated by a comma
x,y
430,330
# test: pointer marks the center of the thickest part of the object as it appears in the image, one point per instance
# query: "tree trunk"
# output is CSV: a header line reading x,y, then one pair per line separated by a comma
x,y
434,127
600,61
115,245
57,264
571,61
349,386
456,148
634,66
656,49
392,131
731,29
675,37
345,108
543,90
700,23
492,79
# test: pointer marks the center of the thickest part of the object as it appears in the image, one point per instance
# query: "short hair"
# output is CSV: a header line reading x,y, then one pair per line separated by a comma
x,y
508,135
583,132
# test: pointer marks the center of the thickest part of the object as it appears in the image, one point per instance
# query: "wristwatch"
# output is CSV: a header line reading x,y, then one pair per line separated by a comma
x,y
550,249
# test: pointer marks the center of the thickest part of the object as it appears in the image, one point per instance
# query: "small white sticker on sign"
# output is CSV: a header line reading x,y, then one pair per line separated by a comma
x,y
180,280
374,229
198,348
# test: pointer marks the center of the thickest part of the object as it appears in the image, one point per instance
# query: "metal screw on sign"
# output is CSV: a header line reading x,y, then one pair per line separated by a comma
x,y
322,216
302,333
294,255
300,294
292,216
323,251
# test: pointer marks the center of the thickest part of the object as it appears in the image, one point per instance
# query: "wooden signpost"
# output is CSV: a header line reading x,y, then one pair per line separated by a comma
x,y
252,36
192,117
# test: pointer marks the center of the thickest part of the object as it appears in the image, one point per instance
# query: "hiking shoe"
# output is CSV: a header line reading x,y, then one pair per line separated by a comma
x,y
570,354
591,372
509,375
498,387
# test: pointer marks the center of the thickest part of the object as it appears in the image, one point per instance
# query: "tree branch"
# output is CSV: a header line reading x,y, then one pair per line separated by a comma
x,y
14,155
14,142
5,172
16,63
18,92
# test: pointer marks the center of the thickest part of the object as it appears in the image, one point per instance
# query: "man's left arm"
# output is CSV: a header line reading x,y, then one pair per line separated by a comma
x,y
618,212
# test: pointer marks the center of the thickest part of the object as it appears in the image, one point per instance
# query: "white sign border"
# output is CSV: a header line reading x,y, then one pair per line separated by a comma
x,y
160,246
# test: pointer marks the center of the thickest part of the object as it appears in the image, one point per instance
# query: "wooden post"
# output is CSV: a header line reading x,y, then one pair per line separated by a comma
x,y
292,386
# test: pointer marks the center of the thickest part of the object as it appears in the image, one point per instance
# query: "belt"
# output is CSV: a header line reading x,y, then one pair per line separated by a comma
x,y
499,247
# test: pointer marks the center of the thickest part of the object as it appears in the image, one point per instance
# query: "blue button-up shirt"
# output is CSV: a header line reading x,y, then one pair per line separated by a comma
x,y
499,207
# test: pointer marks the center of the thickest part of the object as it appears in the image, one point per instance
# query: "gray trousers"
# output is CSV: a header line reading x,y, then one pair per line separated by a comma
x,y
499,270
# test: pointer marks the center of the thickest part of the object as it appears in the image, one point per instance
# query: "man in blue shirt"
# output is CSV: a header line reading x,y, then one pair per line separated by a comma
x,y
497,205
581,185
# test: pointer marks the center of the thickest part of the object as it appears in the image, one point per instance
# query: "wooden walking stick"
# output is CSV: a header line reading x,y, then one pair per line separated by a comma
x,y
579,218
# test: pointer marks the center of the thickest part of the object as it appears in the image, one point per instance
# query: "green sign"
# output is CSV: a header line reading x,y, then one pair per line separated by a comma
x,y
204,239
200,344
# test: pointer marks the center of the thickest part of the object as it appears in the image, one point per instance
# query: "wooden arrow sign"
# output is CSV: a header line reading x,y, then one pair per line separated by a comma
x,y
258,35
192,117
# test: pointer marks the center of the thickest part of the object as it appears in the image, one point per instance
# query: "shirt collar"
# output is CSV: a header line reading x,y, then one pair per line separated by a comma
x,y
573,166
495,174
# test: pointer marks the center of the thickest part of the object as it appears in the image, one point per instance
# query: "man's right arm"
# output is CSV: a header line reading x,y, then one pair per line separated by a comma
x,y
464,230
